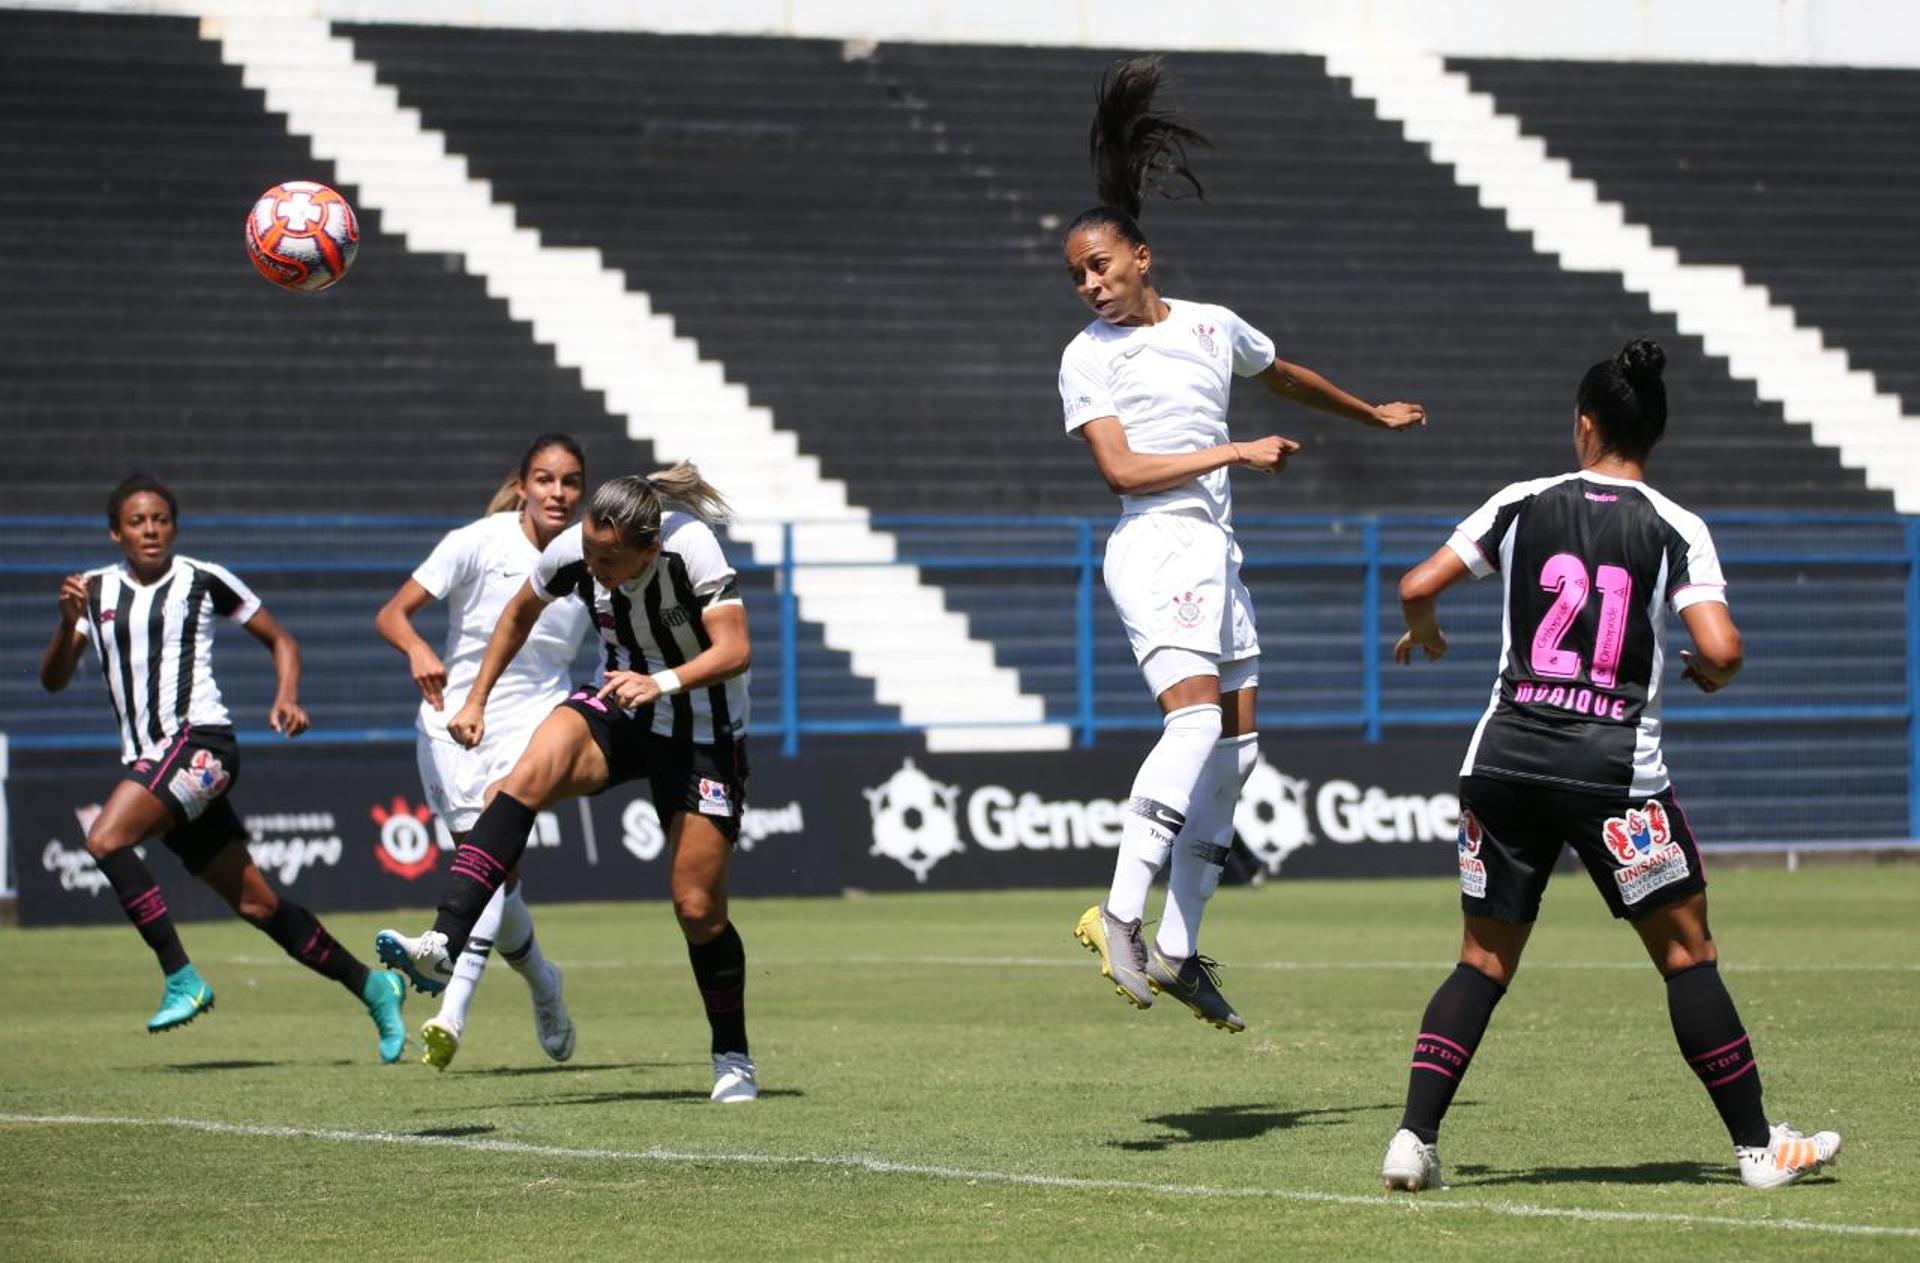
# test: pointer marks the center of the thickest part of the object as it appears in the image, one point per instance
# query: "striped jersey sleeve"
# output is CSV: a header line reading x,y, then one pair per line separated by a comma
x,y
1476,541
562,566
714,581
231,598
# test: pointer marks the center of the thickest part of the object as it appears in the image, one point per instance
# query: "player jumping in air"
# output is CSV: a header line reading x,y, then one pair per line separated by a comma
x,y
150,621
1146,386
669,704
476,570
1568,753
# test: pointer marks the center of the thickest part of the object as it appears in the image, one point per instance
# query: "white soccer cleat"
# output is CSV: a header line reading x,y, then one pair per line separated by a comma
x,y
423,960
733,1078
1787,1157
1411,1164
552,1024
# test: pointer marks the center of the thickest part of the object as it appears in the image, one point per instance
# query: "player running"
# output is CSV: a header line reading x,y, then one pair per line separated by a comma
x,y
1146,386
150,622
1568,753
476,570
669,703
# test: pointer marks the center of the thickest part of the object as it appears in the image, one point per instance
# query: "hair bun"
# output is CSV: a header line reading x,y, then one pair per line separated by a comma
x,y
1641,360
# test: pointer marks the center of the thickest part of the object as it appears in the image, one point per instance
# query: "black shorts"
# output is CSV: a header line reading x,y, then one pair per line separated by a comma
x,y
193,779
709,780
1640,852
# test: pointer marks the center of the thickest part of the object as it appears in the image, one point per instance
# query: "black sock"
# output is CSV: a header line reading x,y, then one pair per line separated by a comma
x,y
302,937
479,867
720,971
1707,1028
140,896
1455,1019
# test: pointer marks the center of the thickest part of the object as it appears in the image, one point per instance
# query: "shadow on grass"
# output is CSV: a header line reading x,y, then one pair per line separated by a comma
x,y
654,1094
1238,1122
571,1067
1638,1173
204,1067
455,1133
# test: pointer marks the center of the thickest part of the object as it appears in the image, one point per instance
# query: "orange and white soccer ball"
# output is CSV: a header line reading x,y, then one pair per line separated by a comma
x,y
302,235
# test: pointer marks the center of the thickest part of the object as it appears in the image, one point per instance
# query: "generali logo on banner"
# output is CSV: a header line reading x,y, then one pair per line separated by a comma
x,y
919,821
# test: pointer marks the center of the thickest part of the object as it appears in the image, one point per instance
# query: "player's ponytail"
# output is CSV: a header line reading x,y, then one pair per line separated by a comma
x,y
509,498
1135,149
1627,399
632,504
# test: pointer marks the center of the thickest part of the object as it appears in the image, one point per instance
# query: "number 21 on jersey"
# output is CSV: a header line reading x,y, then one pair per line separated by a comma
x,y
1566,576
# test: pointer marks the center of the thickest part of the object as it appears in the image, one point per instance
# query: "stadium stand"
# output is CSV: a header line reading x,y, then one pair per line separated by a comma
x,y
868,239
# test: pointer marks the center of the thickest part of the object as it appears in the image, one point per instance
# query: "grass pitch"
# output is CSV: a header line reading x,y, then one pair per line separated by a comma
x,y
946,1076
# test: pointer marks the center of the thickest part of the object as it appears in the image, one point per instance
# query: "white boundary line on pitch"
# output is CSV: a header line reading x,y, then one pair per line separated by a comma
x,y
878,1166
1281,966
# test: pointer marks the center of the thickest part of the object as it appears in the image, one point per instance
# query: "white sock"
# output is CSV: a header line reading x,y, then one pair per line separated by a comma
x,y
471,963
518,947
1157,809
1201,849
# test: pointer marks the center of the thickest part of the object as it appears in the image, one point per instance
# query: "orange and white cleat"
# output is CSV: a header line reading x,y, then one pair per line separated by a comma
x,y
1787,1157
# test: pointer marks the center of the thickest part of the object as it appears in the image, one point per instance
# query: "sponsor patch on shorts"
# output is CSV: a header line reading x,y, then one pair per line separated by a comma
x,y
1473,870
196,785
1663,866
714,799
1641,841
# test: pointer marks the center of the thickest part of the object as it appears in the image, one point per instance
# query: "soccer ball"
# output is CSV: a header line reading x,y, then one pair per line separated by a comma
x,y
302,235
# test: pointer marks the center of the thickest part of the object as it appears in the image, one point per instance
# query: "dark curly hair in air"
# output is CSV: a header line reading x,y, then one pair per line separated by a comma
x,y
131,486
1627,399
1136,149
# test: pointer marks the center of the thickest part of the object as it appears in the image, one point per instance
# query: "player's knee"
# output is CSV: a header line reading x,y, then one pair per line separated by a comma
x,y
701,913
102,842
256,908
1681,954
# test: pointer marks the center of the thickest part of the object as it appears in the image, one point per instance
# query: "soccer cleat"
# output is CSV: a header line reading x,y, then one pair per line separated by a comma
x,y
442,1040
552,1024
383,995
1123,957
186,997
1411,1164
423,960
1787,1157
733,1078
1195,982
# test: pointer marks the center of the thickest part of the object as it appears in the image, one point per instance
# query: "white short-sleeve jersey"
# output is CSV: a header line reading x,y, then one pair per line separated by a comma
x,y
1168,384
476,569
654,622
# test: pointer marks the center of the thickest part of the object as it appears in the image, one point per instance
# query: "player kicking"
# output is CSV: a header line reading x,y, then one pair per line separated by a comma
x,y
1146,386
150,621
669,704
1568,752
476,570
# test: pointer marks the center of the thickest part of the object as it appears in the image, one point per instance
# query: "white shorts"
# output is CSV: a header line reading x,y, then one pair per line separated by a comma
x,y
455,779
1175,581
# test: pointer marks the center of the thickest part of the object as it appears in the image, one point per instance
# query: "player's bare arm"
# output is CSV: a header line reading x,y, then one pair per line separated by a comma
x,y
394,622
1304,386
1420,590
286,716
1716,656
515,625
728,655
63,652
1131,473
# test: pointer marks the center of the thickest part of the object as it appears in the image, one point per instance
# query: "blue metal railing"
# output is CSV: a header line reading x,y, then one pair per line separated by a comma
x,y
1370,547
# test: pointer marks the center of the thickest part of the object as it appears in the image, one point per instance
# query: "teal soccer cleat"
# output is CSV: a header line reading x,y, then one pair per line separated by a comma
x,y
383,996
187,996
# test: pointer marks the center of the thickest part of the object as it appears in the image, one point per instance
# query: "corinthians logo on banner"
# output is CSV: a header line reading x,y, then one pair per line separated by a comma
x,y
919,821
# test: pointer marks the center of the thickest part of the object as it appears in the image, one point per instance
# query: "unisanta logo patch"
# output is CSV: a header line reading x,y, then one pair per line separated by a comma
x,y
1473,870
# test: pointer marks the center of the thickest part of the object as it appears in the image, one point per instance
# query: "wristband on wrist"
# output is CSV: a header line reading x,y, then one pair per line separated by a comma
x,y
668,682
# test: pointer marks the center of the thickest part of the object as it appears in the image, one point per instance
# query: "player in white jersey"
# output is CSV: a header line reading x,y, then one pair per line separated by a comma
x,y
476,569
669,703
150,621
1568,754
1146,386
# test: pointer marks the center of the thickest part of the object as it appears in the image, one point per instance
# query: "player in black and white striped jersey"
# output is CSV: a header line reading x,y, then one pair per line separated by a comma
x,y
1568,754
150,620
669,702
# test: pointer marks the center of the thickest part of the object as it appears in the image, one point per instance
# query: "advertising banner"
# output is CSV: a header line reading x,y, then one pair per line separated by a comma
x,y
344,827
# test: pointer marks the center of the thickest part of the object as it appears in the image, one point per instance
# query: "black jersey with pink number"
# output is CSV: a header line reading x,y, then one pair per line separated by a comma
x,y
1587,562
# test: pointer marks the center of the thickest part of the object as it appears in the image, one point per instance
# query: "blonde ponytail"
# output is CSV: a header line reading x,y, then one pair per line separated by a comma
x,y
508,499
632,504
685,487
